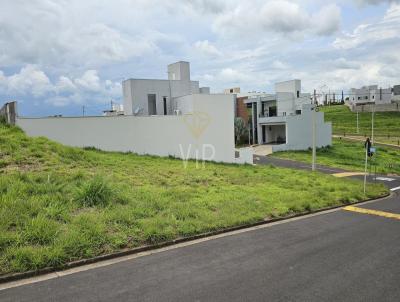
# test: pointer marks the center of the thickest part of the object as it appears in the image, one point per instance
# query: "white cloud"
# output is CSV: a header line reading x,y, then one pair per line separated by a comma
x,y
206,48
327,20
89,81
386,29
65,85
342,63
88,87
277,64
48,32
277,16
29,80
283,16
374,2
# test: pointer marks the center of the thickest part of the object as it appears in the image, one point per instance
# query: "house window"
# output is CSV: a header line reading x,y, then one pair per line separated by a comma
x,y
151,104
231,91
298,94
366,97
359,98
284,113
298,112
165,105
373,97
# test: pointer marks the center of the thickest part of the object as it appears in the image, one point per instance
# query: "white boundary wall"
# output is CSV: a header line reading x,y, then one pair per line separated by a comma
x,y
179,136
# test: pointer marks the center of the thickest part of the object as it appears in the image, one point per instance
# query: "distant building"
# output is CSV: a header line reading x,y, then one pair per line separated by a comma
x,y
396,90
370,95
284,119
234,90
116,109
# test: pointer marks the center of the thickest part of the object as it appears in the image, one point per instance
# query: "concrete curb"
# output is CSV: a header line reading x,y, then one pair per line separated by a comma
x,y
19,276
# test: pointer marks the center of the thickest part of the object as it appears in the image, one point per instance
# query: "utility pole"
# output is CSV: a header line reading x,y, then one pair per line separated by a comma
x,y
372,126
314,153
358,129
249,135
365,169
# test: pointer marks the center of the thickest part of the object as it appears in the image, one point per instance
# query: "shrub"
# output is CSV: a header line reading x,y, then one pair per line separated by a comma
x,y
40,230
96,192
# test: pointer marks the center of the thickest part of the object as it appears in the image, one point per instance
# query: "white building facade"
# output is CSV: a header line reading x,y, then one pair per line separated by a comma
x,y
155,97
284,119
370,95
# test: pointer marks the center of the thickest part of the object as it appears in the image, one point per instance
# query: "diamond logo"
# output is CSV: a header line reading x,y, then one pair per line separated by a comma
x,y
197,122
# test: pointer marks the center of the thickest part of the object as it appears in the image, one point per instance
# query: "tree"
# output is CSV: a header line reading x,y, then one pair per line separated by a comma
x,y
240,129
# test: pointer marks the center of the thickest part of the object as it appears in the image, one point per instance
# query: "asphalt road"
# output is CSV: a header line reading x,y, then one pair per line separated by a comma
x,y
337,256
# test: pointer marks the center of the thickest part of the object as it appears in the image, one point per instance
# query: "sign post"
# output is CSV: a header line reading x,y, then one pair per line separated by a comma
x,y
365,170
314,152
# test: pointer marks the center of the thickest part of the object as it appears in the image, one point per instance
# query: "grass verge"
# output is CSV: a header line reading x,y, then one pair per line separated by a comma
x,y
59,204
344,122
349,155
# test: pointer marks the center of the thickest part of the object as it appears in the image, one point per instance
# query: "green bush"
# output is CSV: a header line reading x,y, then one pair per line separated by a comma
x,y
95,192
40,230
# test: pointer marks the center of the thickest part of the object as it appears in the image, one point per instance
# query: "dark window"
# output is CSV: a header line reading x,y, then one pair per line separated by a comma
x,y
298,94
298,112
165,105
231,91
151,102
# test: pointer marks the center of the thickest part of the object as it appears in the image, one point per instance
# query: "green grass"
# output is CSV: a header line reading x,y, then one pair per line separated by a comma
x,y
344,122
59,204
349,155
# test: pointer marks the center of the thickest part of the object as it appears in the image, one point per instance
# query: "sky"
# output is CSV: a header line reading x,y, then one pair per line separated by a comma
x,y
57,56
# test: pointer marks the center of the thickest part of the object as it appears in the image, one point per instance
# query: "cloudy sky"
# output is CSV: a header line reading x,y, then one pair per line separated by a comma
x,y
58,55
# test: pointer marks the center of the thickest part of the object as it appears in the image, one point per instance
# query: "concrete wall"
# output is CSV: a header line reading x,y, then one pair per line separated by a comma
x,y
179,71
207,123
299,131
396,89
376,108
204,90
9,112
289,86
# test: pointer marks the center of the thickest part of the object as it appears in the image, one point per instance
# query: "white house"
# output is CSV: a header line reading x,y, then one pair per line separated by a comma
x,y
171,117
154,97
370,95
284,119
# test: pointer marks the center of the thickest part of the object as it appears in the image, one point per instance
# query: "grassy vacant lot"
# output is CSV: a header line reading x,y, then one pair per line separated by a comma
x,y
59,204
349,155
386,124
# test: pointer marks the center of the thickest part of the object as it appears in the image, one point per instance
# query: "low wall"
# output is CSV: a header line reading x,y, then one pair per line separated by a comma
x,y
9,112
376,108
205,133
